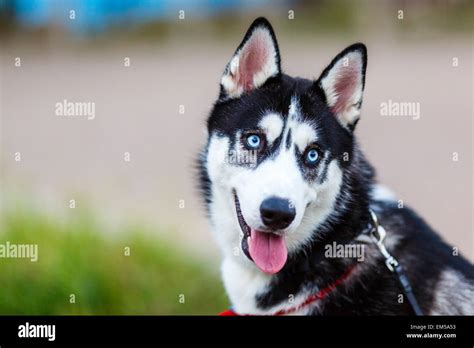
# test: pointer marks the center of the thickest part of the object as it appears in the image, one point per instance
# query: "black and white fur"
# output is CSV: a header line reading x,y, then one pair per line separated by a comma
x,y
331,199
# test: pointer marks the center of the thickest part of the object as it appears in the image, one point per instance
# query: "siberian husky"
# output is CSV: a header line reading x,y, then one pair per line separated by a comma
x,y
293,201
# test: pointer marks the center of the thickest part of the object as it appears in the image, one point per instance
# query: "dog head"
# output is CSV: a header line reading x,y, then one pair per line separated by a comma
x,y
278,149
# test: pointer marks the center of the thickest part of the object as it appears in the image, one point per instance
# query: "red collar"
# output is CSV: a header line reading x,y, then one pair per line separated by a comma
x,y
313,298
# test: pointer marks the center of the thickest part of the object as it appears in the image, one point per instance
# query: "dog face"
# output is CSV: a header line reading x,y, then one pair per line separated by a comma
x,y
278,149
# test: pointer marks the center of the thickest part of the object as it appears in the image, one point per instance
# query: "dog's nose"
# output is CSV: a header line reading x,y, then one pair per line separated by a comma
x,y
277,213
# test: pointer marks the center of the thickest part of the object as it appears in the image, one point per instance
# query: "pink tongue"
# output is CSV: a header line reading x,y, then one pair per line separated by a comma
x,y
268,251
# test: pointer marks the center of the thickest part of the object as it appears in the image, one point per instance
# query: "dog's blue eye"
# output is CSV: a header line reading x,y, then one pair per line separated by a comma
x,y
253,141
312,156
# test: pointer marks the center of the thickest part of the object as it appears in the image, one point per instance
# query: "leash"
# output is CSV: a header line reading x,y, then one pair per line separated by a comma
x,y
378,234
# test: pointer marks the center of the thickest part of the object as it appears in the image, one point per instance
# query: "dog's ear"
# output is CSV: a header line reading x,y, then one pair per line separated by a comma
x,y
256,60
343,84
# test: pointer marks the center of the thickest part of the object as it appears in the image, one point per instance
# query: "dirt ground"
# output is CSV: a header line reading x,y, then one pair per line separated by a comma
x,y
137,111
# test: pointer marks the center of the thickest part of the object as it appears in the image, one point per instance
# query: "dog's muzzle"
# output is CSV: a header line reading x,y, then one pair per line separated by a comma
x,y
267,249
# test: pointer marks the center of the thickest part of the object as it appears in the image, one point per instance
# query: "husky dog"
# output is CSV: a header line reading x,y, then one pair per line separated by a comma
x,y
284,181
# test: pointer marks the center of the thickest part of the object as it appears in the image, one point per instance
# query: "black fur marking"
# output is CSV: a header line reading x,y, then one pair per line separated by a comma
x,y
288,139
204,181
323,176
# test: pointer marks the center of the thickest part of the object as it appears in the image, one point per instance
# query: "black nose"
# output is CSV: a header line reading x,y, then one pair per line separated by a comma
x,y
277,213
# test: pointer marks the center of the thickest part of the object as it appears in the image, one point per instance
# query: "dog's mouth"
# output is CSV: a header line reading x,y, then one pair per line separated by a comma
x,y
266,249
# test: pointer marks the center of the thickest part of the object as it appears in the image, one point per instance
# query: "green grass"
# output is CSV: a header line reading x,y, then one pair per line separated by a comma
x,y
77,257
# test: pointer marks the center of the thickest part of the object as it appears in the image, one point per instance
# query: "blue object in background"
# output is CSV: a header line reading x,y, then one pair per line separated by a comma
x,y
93,16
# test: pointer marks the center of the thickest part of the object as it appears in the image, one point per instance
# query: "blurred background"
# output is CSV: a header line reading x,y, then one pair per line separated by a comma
x,y
152,68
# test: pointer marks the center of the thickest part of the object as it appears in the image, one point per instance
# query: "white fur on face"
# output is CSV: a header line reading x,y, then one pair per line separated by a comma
x,y
222,208
319,209
303,135
281,177
272,125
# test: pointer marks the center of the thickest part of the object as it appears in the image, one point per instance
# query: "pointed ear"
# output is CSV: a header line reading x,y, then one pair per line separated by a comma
x,y
256,60
343,84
